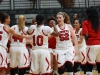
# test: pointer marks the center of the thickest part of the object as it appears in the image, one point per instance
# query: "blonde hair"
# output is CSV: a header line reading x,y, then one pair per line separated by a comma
x,y
21,23
61,13
67,18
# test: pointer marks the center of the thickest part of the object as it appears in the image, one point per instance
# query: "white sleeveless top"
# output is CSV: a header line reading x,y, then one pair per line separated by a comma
x,y
4,36
15,41
64,38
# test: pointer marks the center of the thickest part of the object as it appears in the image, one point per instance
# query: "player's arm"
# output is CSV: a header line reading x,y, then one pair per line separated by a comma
x,y
55,32
81,38
9,30
74,38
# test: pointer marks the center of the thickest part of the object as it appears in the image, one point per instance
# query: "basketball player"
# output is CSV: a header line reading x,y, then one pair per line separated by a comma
x,y
5,30
41,62
52,46
80,58
65,51
18,51
91,31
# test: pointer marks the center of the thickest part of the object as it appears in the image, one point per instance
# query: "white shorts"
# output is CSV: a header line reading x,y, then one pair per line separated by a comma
x,y
52,51
19,57
93,54
63,56
40,61
3,57
81,56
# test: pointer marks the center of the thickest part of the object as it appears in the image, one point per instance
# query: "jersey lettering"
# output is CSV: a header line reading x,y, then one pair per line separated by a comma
x,y
16,38
1,35
38,40
64,35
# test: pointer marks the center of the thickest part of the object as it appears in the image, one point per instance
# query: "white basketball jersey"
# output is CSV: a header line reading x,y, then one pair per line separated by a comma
x,y
64,38
4,36
40,36
18,41
83,44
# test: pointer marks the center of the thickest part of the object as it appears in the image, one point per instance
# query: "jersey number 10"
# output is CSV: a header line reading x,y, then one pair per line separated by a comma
x,y
38,40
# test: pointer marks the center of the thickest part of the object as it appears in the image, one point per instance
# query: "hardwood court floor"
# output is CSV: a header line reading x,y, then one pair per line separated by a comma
x,y
81,73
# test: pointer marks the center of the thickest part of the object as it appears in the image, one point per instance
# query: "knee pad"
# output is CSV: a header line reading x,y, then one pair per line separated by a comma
x,y
61,70
69,66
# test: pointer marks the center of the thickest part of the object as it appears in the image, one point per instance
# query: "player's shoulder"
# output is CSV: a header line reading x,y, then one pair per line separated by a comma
x,y
33,26
2,25
14,26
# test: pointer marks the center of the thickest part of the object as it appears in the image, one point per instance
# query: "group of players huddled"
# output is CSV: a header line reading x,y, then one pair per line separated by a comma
x,y
54,49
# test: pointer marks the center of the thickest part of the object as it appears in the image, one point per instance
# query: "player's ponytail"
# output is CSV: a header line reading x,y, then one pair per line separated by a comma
x,y
21,22
39,19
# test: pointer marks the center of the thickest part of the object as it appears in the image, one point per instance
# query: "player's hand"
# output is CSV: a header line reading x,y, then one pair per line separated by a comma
x,y
53,22
28,36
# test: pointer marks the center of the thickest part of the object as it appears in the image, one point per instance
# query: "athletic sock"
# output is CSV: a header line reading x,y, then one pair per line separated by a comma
x,y
89,73
69,73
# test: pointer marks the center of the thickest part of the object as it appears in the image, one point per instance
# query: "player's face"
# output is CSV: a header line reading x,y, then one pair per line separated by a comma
x,y
76,24
74,16
8,20
60,19
50,23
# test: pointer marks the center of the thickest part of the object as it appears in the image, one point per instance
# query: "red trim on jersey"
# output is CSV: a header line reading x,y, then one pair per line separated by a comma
x,y
44,33
3,68
48,63
1,32
34,74
32,32
98,62
24,67
2,58
25,58
23,32
5,30
77,62
47,73
62,28
88,53
83,56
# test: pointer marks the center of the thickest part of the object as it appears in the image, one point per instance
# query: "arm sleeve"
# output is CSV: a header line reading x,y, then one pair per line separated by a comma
x,y
84,28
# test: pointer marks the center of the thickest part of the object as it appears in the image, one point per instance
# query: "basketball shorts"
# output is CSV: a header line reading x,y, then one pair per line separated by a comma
x,y
81,56
19,57
40,61
93,54
3,57
63,56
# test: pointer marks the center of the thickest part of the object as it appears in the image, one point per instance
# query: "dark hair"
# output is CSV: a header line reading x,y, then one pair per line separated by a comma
x,y
1,13
80,22
39,19
51,18
3,17
92,16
